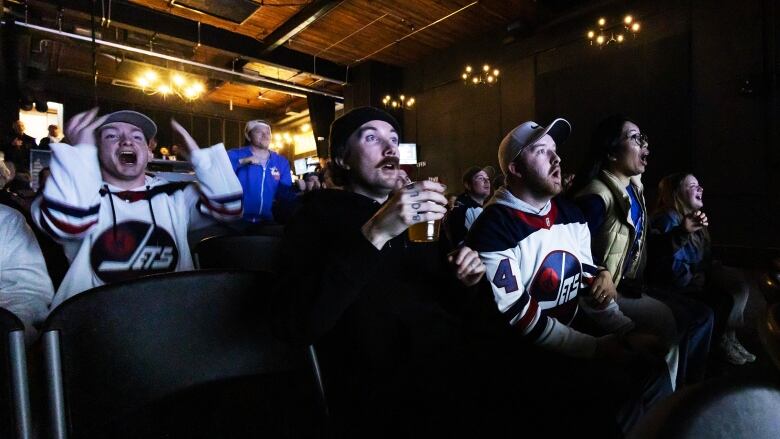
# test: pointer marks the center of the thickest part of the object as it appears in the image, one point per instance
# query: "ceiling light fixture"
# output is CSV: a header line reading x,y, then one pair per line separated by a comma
x,y
485,76
152,83
613,33
402,102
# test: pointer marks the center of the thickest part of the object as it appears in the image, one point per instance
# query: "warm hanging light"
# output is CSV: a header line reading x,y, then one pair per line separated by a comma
x,y
614,33
401,102
487,75
176,83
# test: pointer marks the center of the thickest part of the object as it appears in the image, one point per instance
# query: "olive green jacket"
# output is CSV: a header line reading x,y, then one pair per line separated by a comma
x,y
610,244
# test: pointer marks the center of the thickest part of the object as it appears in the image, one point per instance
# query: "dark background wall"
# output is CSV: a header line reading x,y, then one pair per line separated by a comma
x,y
683,80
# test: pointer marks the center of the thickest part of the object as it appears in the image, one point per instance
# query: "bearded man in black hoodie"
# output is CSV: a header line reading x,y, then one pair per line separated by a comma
x,y
381,311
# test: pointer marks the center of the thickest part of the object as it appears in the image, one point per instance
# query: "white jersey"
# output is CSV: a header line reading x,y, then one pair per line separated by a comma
x,y
110,234
536,263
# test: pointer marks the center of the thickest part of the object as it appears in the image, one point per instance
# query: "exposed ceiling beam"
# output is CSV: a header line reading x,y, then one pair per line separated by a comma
x,y
181,28
255,79
298,22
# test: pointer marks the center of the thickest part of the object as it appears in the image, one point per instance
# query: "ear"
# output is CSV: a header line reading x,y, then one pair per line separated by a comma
x,y
340,162
514,170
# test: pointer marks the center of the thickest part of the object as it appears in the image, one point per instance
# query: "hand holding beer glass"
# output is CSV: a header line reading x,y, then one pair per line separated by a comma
x,y
413,203
427,231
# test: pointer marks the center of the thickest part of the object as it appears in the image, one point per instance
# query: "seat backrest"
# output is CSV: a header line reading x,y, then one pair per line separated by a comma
x,y
239,252
126,347
723,408
14,396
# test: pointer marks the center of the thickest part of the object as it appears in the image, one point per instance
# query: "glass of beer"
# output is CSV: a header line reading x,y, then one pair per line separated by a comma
x,y
426,231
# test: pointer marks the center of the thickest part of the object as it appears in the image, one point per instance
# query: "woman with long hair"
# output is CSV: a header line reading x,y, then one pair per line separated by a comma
x,y
610,193
681,259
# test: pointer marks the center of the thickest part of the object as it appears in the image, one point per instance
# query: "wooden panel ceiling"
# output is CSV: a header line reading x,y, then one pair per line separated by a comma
x,y
269,16
357,28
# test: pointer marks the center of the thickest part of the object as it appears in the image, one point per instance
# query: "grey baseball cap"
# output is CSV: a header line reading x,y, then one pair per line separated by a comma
x,y
142,121
526,134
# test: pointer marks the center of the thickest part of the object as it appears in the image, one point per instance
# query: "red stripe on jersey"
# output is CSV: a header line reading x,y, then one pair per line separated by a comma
x,y
223,210
540,221
528,318
68,228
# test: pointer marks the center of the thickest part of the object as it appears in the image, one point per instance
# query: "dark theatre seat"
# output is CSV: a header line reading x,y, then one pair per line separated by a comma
x,y
724,408
15,398
186,355
252,252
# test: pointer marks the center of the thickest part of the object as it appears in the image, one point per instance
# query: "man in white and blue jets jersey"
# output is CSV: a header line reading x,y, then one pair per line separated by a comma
x,y
539,274
113,220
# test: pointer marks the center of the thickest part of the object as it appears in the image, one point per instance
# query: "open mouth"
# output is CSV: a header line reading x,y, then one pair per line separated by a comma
x,y
389,164
128,157
643,158
556,173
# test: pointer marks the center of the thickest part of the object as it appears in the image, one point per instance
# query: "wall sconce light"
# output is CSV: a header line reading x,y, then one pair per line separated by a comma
x,y
402,102
617,32
485,76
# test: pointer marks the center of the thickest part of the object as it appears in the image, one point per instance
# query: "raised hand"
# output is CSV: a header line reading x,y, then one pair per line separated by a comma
x,y
189,143
414,203
695,221
80,129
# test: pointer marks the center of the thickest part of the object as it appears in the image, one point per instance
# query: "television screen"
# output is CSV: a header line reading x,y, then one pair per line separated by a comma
x,y
300,166
408,153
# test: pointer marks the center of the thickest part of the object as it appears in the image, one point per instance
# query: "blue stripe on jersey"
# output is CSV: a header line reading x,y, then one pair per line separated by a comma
x,y
517,307
73,211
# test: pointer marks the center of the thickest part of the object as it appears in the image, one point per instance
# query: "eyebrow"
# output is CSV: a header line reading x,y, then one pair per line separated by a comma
x,y
109,127
362,130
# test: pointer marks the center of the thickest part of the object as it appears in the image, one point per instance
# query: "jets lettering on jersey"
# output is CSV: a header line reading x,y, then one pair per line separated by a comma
x,y
554,286
131,249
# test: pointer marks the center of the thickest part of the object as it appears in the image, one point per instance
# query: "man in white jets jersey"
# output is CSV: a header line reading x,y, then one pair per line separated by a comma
x,y
114,221
539,274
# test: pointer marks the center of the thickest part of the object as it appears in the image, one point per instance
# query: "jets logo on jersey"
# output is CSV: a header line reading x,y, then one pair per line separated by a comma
x,y
556,283
275,173
132,249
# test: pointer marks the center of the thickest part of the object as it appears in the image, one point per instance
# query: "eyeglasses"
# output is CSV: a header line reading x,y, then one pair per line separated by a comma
x,y
639,138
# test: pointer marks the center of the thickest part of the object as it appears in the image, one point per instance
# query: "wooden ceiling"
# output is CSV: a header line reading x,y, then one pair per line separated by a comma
x,y
357,30
334,33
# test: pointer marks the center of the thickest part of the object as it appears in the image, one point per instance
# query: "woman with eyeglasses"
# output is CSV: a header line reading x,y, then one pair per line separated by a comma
x,y
610,193
681,259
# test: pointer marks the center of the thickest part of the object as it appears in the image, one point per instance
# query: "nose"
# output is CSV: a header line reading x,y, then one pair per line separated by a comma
x,y
389,148
556,159
125,140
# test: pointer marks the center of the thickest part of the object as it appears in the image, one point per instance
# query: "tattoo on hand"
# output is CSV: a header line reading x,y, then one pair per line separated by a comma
x,y
416,206
416,218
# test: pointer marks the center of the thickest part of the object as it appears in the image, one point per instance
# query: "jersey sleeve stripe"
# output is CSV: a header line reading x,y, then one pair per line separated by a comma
x,y
49,204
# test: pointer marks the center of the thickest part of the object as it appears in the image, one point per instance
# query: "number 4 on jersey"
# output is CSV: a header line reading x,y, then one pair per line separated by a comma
x,y
504,277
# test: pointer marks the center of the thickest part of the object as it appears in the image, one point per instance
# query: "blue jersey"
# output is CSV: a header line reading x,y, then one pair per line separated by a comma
x,y
262,185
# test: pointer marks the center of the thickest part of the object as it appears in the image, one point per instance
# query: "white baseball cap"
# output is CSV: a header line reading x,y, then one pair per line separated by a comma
x,y
526,134
252,124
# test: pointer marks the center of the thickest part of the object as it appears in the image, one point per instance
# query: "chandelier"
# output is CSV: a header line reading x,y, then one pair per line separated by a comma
x,y
617,32
484,76
402,102
152,83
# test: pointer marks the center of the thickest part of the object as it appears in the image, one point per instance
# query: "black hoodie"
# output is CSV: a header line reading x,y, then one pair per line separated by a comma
x,y
378,319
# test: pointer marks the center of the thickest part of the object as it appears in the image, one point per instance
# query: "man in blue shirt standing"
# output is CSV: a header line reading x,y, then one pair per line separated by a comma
x,y
264,174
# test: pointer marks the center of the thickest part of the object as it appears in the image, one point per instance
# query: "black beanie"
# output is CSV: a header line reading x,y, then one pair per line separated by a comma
x,y
344,126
